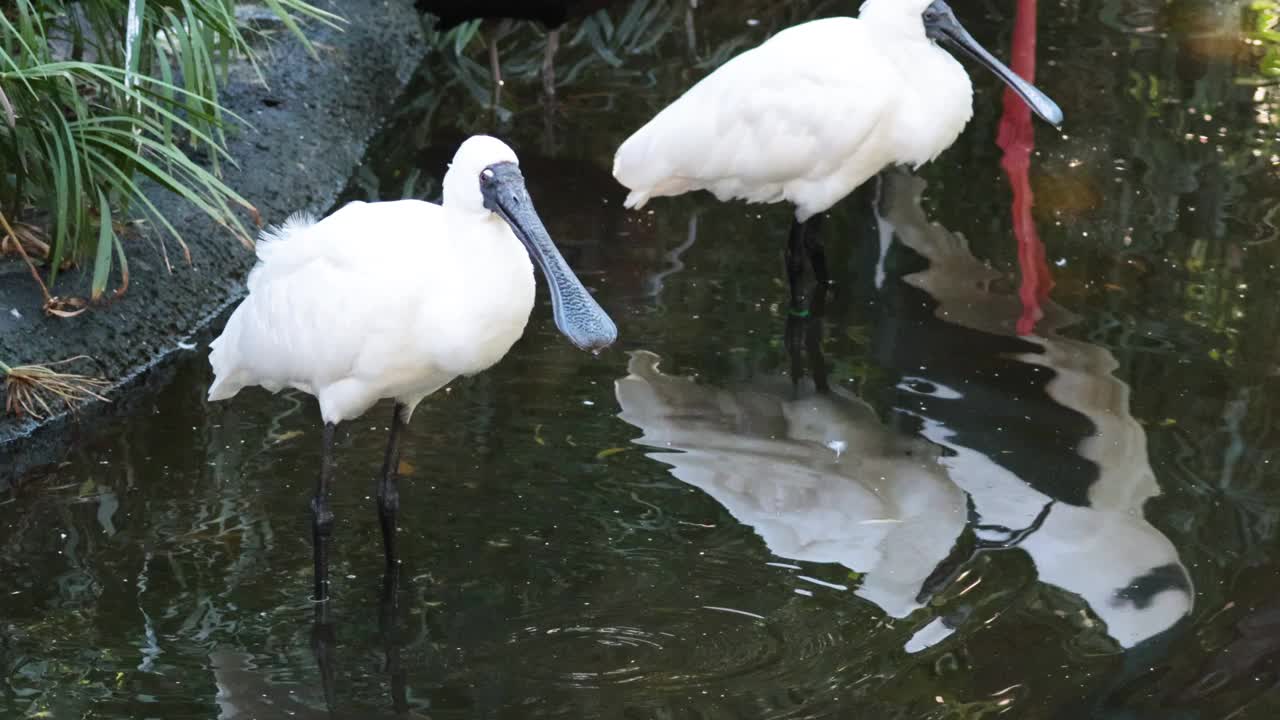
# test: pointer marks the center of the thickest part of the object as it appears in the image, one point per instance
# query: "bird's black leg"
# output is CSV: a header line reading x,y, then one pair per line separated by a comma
x,y
793,336
322,646
817,253
802,243
813,340
795,267
389,488
322,517
804,335
793,339
389,623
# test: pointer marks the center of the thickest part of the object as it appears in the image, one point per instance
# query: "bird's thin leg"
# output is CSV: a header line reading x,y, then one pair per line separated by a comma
x,y
803,335
322,646
793,339
804,242
389,623
322,517
795,267
549,64
817,253
389,487
813,340
793,334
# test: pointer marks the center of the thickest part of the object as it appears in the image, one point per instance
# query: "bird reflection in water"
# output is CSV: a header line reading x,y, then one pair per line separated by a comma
x,y
991,442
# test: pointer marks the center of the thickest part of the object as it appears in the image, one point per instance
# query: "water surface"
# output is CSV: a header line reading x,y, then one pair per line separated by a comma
x,y
987,476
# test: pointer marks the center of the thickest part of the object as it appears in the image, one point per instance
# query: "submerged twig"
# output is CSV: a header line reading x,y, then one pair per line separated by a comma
x,y
36,390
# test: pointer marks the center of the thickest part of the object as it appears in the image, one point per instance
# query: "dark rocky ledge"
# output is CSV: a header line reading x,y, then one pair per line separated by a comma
x,y
311,123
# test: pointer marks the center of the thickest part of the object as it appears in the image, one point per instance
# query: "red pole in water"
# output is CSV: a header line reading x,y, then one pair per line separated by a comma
x,y
1017,139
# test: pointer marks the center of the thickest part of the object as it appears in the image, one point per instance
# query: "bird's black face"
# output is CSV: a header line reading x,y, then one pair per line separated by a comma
x,y
577,314
940,23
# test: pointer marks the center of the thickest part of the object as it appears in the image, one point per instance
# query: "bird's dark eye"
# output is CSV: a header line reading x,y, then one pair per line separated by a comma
x,y
930,15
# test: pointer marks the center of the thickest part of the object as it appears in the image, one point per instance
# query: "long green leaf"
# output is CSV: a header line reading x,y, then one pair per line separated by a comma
x,y
93,137
62,198
124,264
287,18
125,185
106,242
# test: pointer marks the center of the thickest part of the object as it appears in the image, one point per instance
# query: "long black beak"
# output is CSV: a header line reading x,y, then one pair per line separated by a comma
x,y
577,314
941,24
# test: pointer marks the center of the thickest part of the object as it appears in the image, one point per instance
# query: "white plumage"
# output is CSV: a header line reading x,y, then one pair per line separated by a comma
x,y
381,300
790,121
814,112
394,300
352,309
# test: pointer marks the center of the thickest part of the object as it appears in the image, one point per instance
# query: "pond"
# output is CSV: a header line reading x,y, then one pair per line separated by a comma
x,y
1016,462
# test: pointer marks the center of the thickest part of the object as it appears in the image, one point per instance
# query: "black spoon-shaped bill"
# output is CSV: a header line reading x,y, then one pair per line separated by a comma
x,y
578,316
941,24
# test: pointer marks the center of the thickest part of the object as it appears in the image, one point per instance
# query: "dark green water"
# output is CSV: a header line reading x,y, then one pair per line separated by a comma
x,y
1081,522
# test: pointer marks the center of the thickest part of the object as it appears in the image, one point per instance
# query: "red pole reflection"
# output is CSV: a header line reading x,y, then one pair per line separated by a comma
x,y
1017,139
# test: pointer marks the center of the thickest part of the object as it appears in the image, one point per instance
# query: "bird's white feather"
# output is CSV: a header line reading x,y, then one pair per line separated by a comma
x,y
806,117
295,223
377,300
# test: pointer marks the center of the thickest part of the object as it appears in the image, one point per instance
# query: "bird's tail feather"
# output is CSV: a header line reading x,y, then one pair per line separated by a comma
x,y
636,200
222,388
221,356
645,174
632,172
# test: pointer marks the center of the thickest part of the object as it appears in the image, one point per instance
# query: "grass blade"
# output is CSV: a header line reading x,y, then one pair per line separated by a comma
x,y
124,267
106,242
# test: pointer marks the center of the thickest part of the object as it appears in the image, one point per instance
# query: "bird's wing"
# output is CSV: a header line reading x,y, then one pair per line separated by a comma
x,y
798,106
325,297
356,234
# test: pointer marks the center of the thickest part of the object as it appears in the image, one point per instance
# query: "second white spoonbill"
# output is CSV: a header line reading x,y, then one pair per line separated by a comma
x,y
395,300
813,113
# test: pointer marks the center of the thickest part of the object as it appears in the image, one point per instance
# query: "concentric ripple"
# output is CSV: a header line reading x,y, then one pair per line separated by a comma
x,y
669,647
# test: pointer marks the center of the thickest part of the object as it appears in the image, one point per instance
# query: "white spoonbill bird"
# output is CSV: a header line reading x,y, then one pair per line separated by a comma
x,y
395,300
813,113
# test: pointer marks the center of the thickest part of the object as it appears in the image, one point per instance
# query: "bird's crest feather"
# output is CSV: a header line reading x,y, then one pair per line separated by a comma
x,y
294,224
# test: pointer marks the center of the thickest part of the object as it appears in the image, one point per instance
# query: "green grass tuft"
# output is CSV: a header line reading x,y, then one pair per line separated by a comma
x,y
98,96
